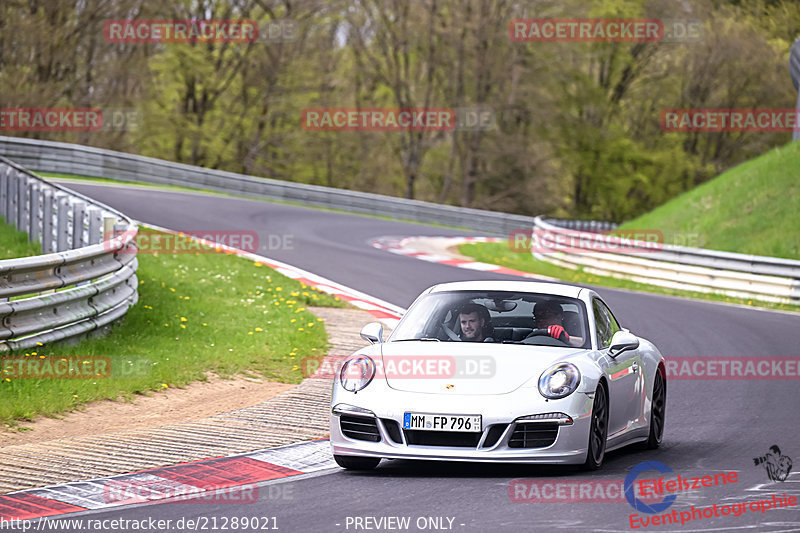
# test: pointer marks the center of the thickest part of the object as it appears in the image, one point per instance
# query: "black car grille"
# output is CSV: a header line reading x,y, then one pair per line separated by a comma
x,y
359,427
533,435
393,429
442,438
494,434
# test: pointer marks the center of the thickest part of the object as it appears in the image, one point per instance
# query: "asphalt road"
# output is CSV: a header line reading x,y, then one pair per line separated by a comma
x,y
711,426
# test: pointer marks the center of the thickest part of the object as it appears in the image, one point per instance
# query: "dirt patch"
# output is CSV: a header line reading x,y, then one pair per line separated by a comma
x,y
198,400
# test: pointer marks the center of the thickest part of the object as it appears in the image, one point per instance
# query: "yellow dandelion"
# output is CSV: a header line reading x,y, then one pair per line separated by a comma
x,y
278,288
8,379
164,385
300,329
183,319
257,264
293,320
33,353
74,395
173,290
166,324
249,332
183,326
259,329
205,324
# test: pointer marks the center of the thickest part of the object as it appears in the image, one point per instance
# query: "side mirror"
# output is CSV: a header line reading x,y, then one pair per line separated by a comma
x,y
373,333
622,341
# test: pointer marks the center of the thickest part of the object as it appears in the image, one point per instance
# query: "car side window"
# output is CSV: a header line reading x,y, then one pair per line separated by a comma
x,y
604,322
612,322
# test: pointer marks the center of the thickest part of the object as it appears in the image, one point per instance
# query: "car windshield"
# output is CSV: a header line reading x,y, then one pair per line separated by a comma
x,y
496,317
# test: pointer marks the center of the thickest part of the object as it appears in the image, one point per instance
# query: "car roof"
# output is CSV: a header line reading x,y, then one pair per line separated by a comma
x,y
558,289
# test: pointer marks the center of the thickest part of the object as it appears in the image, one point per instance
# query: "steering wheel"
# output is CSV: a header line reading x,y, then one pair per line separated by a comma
x,y
540,331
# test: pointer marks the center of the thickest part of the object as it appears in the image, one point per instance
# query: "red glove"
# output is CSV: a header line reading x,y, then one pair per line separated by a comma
x,y
556,332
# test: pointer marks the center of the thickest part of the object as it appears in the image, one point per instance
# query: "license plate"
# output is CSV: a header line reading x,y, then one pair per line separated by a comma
x,y
437,422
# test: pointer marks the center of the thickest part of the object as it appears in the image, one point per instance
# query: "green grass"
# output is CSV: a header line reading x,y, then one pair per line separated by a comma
x,y
14,243
197,313
500,253
751,209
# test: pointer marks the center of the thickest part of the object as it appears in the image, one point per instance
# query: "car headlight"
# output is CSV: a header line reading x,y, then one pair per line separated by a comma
x,y
356,373
559,380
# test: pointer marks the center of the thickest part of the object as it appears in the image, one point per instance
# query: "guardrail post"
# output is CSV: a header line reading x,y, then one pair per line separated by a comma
x,y
95,216
47,221
35,221
62,224
108,227
78,212
22,203
11,211
5,177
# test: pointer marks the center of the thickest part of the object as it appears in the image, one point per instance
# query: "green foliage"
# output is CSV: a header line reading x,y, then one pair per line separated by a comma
x,y
577,124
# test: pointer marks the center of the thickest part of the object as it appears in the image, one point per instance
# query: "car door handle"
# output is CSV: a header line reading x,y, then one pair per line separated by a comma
x,y
635,367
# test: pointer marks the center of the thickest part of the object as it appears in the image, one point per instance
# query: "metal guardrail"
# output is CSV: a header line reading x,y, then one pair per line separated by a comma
x,y
48,156
695,269
82,283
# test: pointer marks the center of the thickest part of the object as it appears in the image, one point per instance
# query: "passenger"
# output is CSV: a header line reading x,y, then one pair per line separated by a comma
x,y
550,316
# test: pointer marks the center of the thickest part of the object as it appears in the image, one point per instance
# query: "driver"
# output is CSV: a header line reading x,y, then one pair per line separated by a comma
x,y
550,316
475,322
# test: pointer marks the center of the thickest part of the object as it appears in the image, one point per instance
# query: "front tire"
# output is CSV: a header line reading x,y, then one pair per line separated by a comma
x,y
658,407
598,430
352,462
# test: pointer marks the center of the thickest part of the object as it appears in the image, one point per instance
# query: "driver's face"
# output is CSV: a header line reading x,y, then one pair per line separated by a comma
x,y
471,325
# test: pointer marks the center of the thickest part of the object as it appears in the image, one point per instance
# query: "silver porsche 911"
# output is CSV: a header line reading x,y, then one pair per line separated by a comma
x,y
499,371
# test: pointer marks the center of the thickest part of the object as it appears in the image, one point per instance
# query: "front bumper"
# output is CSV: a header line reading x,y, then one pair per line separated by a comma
x,y
501,412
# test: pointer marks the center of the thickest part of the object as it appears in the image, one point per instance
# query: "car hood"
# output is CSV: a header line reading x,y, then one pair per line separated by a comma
x,y
465,368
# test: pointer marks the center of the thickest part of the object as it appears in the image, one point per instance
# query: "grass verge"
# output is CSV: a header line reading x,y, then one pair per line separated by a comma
x,y
749,209
500,253
197,313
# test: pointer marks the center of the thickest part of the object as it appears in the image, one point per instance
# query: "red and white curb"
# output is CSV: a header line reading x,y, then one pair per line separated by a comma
x,y
410,247
200,481
385,312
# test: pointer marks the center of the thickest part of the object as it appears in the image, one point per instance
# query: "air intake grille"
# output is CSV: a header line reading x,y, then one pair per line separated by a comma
x,y
534,435
359,428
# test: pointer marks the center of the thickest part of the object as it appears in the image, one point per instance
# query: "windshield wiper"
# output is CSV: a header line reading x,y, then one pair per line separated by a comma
x,y
420,339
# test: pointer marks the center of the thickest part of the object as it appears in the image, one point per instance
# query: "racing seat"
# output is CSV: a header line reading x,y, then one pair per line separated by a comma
x,y
572,323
